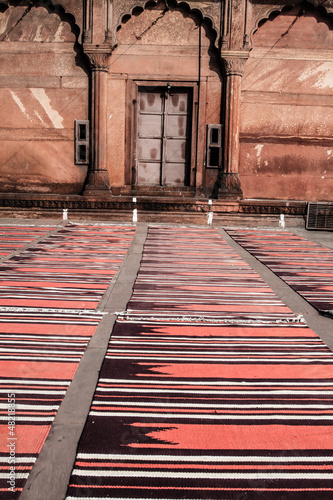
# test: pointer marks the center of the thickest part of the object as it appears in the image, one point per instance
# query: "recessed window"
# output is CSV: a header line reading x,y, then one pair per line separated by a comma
x,y
214,146
81,142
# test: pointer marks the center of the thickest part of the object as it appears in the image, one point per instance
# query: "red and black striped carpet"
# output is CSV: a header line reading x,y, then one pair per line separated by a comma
x,y
39,355
48,297
69,270
306,266
14,237
211,387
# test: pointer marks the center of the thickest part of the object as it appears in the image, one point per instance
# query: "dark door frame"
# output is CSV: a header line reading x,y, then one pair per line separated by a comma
x,y
132,94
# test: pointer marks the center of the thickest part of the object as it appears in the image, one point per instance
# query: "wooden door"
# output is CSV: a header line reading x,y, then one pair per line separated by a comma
x,y
163,137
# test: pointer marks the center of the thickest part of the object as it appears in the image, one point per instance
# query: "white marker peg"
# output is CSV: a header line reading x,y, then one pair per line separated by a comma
x,y
282,221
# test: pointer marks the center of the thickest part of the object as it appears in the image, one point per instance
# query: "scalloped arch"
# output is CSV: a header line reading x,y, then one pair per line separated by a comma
x,y
172,4
65,16
52,8
265,17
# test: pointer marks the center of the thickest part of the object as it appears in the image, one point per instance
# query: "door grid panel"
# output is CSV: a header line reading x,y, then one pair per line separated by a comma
x,y
163,137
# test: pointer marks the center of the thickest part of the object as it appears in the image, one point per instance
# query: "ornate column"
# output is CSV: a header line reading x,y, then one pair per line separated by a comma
x,y
98,179
234,62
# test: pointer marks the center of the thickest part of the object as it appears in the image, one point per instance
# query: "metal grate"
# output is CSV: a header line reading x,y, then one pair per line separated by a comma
x,y
320,216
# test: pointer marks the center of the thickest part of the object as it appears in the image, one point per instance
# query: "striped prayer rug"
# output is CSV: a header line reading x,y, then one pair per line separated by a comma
x,y
48,295
195,403
306,266
39,355
69,270
15,237
194,273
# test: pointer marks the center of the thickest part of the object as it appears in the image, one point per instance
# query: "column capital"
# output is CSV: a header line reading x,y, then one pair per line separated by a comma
x,y
234,61
98,56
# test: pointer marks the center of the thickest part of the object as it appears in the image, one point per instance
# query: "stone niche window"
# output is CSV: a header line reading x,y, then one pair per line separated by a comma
x,y
81,142
214,145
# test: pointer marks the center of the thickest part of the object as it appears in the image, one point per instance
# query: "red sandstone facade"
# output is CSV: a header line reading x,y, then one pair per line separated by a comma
x,y
224,99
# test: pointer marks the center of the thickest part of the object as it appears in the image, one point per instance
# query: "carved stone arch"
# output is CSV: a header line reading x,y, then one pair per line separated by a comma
x,y
50,6
136,9
271,13
64,15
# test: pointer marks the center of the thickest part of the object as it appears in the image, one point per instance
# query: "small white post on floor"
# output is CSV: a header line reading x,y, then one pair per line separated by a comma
x,y
210,213
65,214
135,213
282,221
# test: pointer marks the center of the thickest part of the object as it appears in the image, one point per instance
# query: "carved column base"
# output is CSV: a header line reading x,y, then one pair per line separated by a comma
x,y
97,184
229,186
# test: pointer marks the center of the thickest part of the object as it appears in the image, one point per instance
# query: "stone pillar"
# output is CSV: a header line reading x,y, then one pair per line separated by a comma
x,y
234,62
98,179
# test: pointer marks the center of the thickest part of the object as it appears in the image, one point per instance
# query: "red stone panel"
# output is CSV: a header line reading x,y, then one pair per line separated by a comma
x,y
287,98
42,90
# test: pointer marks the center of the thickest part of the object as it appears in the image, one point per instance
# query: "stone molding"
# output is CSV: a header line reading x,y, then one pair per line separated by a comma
x,y
84,204
254,209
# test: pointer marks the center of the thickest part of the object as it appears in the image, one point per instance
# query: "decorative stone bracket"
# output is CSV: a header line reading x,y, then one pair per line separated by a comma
x,y
98,55
234,61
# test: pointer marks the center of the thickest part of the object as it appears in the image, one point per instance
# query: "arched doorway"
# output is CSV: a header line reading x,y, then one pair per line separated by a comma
x,y
165,75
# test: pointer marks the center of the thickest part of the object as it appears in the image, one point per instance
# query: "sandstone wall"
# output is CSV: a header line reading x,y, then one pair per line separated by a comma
x,y
43,89
287,98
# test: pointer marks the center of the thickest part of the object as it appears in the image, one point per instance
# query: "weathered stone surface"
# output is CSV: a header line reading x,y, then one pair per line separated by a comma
x,y
286,121
43,90
116,138
286,171
40,167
